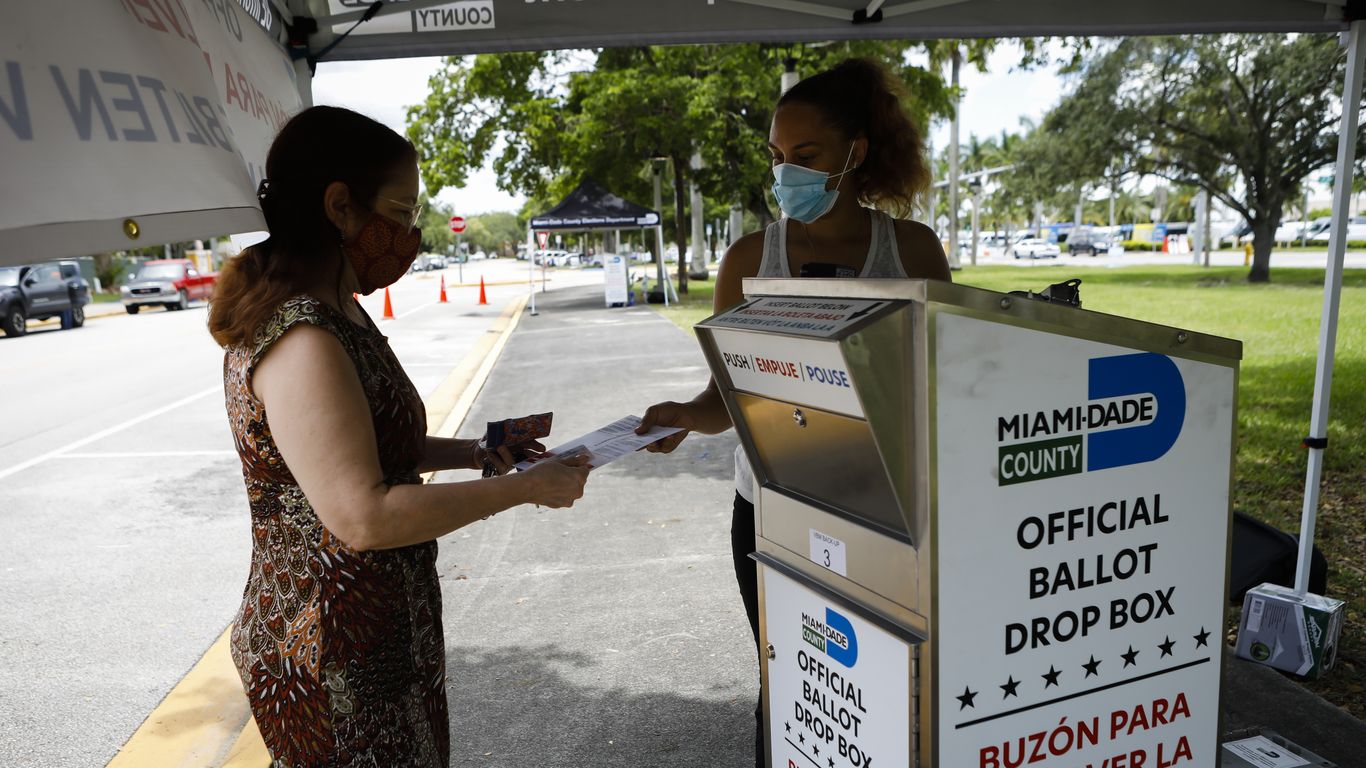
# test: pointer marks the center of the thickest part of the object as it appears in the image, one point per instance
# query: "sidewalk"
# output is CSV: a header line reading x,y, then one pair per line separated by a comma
x,y
612,634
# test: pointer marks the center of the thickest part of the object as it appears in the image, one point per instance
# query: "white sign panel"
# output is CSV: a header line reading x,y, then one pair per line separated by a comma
x,y
801,371
1082,538
134,109
829,552
1265,753
807,317
616,286
448,17
838,686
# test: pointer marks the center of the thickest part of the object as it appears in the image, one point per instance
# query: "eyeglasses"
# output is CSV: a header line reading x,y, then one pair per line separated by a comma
x,y
416,210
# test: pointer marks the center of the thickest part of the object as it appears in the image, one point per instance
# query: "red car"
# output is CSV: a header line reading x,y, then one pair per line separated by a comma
x,y
172,283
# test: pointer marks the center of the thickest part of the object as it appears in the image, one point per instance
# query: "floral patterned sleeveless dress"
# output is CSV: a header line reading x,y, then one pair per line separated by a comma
x,y
341,652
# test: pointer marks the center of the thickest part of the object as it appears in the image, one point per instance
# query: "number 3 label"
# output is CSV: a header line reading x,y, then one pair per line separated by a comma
x,y
828,552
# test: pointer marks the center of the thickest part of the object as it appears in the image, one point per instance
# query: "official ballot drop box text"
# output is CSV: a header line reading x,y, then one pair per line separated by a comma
x,y
992,530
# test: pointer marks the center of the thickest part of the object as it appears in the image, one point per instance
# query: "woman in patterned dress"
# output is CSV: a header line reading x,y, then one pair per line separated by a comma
x,y
338,639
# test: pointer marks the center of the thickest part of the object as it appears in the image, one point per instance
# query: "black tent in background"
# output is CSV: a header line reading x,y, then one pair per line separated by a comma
x,y
590,207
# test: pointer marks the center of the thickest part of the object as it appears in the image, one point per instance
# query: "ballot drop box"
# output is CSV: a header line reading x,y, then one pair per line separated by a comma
x,y
991,530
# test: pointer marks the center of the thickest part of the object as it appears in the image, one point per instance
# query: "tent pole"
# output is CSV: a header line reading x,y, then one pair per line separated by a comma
x,y
663,268
304,79
531,264
1332,294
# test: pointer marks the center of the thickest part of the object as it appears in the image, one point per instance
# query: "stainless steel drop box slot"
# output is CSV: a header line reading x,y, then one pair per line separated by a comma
x,y
950,485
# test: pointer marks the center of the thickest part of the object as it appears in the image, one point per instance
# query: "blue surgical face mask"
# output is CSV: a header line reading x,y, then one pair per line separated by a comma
x,y
801,192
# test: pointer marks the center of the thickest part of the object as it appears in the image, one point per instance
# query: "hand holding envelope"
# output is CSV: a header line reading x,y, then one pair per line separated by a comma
x,y
510,441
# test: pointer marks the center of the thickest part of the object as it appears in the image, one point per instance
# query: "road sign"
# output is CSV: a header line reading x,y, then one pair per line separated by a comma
x,y
542,239
457,224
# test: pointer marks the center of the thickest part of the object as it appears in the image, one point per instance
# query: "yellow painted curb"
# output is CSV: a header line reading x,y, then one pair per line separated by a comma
x,y
196,721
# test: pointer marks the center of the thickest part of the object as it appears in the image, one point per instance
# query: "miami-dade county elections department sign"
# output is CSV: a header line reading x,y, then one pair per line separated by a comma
x,y
838,686
1082,538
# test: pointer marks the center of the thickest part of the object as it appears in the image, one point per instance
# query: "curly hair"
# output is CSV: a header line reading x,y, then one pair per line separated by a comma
x,y
316,147
859,97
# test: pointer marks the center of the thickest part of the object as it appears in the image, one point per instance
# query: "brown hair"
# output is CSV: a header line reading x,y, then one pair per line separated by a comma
x,y
317,147
859,97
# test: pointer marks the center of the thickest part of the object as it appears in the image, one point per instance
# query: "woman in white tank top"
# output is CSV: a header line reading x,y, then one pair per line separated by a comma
x,y
844,151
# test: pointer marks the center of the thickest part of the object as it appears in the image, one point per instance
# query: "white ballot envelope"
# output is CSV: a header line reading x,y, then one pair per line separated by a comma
x,y
607,444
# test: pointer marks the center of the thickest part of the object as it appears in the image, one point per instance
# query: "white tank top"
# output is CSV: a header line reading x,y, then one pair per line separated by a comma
x,y
883,261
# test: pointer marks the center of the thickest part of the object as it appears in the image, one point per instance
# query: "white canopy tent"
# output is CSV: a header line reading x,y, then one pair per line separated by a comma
x,y
145,121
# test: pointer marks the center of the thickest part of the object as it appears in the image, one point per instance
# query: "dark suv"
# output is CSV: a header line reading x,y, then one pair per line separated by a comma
x,y
1088,241
40,291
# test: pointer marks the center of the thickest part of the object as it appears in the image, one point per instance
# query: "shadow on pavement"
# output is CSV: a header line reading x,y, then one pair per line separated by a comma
x,y
516,707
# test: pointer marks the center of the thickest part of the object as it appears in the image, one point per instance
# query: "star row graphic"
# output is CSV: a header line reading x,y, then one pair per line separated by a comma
x,y
1092,668
816,747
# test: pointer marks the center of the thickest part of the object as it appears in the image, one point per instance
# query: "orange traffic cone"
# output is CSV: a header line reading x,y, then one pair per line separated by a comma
x,y
388,306
483,297
442,300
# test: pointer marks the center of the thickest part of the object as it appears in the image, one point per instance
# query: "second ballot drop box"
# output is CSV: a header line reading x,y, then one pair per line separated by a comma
x,y
992,530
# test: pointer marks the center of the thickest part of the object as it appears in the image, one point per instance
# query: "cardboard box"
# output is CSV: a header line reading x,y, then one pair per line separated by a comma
x,y
1288,631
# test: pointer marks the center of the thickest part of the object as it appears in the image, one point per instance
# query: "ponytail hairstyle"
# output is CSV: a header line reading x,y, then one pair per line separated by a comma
x,y
859,97
317,147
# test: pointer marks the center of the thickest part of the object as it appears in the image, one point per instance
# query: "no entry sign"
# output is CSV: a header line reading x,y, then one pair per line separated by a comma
x,y
1082,550
457,224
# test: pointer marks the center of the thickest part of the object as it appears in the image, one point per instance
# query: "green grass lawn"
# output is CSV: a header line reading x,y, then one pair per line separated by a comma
x,y
1278,324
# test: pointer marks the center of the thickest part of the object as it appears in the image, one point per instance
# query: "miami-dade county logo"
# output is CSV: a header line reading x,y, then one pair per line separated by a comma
x,y
835,636
1135,407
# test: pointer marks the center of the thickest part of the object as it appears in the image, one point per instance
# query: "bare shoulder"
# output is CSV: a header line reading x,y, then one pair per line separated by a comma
x,y
303,352
742,260
922,255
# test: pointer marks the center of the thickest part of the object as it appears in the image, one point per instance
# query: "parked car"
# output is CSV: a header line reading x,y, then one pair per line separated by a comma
x,y
1088,241
40,291
1356,230
1034,248
172,283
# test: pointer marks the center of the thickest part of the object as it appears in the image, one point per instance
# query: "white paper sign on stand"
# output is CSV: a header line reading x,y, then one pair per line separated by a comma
x,y
614,278
1082,550
839,686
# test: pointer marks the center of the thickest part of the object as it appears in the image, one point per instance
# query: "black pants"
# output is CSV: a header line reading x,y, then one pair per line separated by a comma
x,y
747,575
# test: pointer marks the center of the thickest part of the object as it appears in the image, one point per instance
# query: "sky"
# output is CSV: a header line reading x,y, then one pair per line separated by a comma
x,y
993,101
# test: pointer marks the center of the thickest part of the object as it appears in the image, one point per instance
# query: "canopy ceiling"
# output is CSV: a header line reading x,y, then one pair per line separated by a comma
x,y
431,27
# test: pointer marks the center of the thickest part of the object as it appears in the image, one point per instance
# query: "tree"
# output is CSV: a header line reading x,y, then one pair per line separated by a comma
x,y
494,233
1245,117
435,224
548,123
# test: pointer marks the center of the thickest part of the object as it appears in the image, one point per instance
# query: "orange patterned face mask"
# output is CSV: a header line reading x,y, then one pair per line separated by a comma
x,y
381,252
